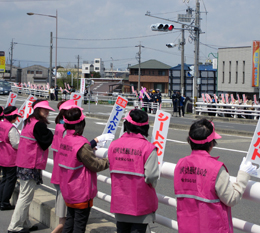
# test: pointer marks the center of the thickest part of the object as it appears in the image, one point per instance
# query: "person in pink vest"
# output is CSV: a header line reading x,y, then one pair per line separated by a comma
x,y
59,133
31,159
202,185
78,167
9,137
134,172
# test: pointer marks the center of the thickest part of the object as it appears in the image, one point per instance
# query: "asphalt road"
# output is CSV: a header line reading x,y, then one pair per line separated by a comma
x,y
230,148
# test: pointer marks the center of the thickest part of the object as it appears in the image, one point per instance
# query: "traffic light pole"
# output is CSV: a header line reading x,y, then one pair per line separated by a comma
x,y
11,63
139,67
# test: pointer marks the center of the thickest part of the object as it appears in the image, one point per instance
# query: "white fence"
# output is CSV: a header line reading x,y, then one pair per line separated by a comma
x,y
229,110
251,193
31,91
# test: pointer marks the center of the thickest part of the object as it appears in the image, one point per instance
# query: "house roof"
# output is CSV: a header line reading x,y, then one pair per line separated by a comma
x,y
206,67
151,64
178,67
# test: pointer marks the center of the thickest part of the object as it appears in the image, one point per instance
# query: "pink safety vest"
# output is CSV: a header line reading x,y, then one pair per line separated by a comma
x,y
130,194
198,206
77,183
58,135
7,152
29,154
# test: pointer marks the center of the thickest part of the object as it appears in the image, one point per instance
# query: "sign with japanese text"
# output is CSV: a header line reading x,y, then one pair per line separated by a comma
x,y
255,101
2,61
208,98
11,99
82,85
203,97
226,95
159,135
238,98
215,98
21,110
28,109
232,98
222,98
253,153
255,63
77,97
115,116
244,98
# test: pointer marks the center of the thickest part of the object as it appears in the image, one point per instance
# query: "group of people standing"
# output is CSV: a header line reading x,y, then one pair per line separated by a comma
x,y
201,182
155,96
178,102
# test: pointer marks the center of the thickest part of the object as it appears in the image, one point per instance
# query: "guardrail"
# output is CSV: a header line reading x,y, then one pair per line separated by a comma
x,y
167,172
229,110
30,91
98,97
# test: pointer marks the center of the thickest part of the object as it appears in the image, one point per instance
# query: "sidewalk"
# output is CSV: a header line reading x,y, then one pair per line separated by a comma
x,y
42,213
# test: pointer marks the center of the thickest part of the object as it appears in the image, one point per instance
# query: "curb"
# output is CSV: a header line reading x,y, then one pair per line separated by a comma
x,y
42,209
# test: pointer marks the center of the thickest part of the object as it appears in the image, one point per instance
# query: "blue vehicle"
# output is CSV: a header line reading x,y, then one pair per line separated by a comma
x,y
5,87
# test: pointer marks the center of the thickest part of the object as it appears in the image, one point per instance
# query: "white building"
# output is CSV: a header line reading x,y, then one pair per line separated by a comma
x,y
95,66
235,70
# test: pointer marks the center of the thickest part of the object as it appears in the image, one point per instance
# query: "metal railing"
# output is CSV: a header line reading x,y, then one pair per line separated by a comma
x,y
167,172
229,110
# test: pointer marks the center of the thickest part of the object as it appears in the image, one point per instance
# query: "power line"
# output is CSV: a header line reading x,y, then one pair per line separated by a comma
x,y
62,47
123,38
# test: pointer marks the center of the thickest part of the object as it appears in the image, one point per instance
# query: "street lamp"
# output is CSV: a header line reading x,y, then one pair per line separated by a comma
x,y
56,17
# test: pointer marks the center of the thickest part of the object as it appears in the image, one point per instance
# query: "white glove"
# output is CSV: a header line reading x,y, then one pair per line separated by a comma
x,y
102,139
105,137
248,167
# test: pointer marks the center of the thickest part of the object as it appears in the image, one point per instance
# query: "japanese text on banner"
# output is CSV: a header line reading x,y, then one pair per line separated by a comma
x,y
77,97
11,99
159,135
253,153
116,115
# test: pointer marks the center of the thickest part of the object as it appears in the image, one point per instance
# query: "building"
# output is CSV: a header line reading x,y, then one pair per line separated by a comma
x,y
35,74
16,73
154,75
235,70
207,80
95,66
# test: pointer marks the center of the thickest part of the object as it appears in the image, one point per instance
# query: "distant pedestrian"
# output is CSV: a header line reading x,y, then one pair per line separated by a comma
x,y
10,138
56,92
175,100
181,105
52,92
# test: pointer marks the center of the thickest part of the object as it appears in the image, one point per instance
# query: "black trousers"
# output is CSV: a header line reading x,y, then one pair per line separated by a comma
x,y
76,220
127,227
7,185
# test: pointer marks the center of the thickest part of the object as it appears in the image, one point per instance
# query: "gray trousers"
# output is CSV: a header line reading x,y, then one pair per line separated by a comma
x,y
20,219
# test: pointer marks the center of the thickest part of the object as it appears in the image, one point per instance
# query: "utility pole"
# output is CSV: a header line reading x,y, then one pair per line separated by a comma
x,y
78,73
139,67
182,60
11,62
196,51
50,73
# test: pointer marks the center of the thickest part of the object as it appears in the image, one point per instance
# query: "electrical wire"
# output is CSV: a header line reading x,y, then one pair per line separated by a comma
x,y
123,38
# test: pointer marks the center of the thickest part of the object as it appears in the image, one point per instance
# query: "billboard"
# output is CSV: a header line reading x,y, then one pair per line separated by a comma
x,y
2,61
255,64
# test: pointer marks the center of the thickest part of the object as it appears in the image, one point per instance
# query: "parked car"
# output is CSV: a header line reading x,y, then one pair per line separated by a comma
x,y
5,87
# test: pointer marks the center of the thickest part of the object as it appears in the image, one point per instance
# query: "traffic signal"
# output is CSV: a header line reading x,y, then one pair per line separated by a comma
x,y
171,45
162,27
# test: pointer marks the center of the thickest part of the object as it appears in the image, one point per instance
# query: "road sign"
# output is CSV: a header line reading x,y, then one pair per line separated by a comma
x,y
68,73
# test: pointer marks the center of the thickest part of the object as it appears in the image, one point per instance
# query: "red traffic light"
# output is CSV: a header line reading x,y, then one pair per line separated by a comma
x,y
162,27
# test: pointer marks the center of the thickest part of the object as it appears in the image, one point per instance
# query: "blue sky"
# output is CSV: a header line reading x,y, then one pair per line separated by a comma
x,y
111,29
